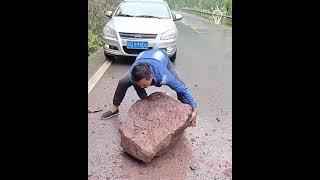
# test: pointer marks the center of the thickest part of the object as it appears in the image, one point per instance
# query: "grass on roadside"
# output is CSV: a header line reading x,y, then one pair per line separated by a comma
x,y
94,42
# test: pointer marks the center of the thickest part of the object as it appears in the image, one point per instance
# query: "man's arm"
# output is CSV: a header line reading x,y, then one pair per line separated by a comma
x,y
184,95
181,90
140,91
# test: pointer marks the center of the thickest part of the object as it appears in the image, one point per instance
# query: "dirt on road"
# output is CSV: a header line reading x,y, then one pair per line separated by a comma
x,y
203,152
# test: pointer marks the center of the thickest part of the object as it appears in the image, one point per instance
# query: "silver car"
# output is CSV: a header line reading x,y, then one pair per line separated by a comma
x,y
138,25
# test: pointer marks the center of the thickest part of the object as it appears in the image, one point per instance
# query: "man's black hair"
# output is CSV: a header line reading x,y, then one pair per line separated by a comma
x,y
140,71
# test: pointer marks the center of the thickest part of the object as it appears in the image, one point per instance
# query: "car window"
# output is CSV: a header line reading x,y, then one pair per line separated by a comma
x,y
143,9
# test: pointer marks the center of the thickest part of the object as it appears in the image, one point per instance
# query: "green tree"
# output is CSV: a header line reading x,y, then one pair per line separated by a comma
x,y
227,6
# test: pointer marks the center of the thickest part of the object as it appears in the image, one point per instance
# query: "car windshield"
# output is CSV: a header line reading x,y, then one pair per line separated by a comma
x,y
143,9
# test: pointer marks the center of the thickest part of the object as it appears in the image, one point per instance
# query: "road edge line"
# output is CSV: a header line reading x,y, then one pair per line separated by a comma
x,y
97,75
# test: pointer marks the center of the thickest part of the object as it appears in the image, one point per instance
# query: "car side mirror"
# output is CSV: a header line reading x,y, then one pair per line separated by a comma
x,y
178,17
109,14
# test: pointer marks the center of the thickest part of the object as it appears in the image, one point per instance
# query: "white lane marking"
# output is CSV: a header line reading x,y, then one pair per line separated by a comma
x,y
95,78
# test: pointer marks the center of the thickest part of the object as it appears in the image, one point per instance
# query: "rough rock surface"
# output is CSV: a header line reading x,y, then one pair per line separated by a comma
x,y
154,126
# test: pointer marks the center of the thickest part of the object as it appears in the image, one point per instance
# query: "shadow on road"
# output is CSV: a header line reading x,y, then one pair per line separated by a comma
x,y
131,158
122,60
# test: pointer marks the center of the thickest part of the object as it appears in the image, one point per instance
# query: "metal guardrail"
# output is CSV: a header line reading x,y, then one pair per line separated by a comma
x,y
207,15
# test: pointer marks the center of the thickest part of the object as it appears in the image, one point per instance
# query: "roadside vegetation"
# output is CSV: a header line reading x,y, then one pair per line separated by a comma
x,y
204,6
96,20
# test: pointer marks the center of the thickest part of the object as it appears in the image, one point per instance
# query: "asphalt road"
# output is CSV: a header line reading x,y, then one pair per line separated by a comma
x,y
204,62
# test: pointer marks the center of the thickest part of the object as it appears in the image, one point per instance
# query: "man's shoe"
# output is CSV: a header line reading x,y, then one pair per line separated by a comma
x,y
109,114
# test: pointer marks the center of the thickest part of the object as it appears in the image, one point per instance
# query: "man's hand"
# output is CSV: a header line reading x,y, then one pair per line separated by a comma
x,y
194,117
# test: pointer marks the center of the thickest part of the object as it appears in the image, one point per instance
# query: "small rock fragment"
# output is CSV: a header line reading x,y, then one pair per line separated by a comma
x,y
94,109
192,167
143,172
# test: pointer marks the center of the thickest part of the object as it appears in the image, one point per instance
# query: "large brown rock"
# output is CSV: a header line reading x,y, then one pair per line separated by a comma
x,y
153,126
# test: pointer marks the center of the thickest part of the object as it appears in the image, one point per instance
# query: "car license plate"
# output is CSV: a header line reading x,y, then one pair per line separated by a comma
x,y
137,45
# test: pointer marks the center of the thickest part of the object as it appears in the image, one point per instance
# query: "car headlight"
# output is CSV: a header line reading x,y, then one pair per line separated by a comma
x,y
168,34
107,31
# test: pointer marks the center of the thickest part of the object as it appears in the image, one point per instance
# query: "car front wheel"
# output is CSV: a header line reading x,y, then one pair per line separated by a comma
x,y
109,56
173,57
